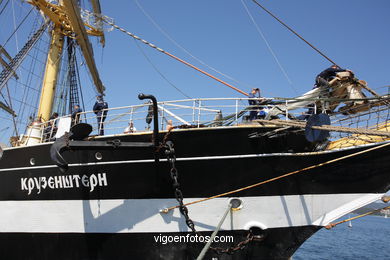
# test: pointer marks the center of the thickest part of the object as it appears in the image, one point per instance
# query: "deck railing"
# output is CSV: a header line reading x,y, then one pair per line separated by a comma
x,y
209,112
194,113
190,113
203,112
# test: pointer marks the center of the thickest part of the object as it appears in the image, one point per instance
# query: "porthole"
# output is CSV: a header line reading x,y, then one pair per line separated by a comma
x,y
32,161
258,232
98,156
236,204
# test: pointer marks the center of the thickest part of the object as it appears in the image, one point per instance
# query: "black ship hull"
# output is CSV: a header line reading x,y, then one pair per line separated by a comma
x,y
107,204
280,244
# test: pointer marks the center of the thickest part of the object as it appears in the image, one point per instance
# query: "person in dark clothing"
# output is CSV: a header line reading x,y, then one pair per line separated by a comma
x,y
100,109
51,128
76,114
322,82
311,110
322,79
253,103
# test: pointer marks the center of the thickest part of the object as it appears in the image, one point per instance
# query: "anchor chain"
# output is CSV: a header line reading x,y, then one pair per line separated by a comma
x,y
171,157
240,246
67,139
163,144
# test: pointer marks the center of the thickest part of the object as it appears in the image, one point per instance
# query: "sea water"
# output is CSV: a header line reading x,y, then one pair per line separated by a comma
x,y
368,238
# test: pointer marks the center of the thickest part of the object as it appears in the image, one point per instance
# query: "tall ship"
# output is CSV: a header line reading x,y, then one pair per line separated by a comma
x,y
244,177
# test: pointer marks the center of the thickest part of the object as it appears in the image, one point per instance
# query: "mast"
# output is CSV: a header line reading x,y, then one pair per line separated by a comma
x,y
51,74
67,22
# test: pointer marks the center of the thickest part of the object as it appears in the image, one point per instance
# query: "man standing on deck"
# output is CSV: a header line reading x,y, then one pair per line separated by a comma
x,y
76,114
101,113
253,103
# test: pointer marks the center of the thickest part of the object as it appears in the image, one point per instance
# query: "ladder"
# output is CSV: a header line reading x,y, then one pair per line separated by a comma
x,y
8,71
72,76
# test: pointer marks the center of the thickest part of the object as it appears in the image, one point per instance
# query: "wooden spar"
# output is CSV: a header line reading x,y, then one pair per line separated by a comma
x,y
53,64
8,67
73,12
67,17
4,63
7,109
324,127
99,21
363,84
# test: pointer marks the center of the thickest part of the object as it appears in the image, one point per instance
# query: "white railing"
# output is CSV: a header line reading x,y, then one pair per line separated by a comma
x,y
204,112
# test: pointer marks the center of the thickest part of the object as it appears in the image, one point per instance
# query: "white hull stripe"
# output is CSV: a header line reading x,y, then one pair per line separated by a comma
x,y
240,156
142,215
152,161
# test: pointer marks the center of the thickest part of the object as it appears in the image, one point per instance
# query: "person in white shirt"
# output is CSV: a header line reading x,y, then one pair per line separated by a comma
x,y
130,128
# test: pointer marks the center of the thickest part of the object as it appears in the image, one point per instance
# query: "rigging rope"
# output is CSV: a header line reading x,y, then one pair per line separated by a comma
x,y
185,50
80,88
158,71
16,35
291,30
5,5
269,47
172,56
26,90
279,177
332,225
17,28
18,59
34,58
13,117
323,127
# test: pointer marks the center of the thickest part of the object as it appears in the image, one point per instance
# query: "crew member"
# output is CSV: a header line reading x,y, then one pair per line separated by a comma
x,y
51,128
130,128
169,125
253,103
76,114
100,109
322,79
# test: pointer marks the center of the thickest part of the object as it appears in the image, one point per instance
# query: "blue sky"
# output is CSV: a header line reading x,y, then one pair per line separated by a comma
x,y
220,33
354,33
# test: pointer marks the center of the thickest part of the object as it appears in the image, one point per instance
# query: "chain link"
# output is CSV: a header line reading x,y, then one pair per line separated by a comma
x,y
240,246
171,157
163,144
170,153
66,139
